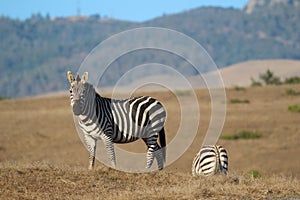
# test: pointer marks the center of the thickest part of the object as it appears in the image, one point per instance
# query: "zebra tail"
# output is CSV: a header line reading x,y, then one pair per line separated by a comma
x,y
162,141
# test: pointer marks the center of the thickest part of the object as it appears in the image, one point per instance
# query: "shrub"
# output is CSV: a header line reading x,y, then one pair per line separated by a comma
x,y
275,81
3,98
269,78
292,80
254,174
255,83
291,92
294,108
239,101
239,88
183,92
242,135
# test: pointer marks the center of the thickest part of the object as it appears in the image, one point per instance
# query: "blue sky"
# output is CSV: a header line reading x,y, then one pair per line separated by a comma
x,y
131,10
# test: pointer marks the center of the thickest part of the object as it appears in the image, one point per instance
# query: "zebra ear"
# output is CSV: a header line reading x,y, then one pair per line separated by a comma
x,y
84,77
70,77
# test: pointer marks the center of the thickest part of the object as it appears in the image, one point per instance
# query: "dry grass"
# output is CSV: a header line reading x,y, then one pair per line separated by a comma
x,y
41,156
48,182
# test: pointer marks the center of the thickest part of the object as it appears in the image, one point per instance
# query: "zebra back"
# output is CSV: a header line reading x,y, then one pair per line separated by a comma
x,y
210,160
223,158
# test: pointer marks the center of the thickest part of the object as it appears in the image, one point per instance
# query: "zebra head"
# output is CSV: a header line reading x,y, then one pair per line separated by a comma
x,y
78,91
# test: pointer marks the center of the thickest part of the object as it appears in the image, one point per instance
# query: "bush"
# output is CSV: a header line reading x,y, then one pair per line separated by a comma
x,y
294,108
255,83
239,88
254,174
242,135
269,78
183,92
3,98
292,80
291,92
239,101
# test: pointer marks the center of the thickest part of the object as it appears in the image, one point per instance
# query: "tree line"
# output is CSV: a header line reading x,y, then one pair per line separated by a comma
x,y
36,53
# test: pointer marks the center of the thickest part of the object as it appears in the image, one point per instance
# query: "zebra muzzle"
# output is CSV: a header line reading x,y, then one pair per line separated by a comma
x,y
76,108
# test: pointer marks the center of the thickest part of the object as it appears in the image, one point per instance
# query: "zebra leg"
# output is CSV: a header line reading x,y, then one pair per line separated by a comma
x,y
152,150
158,154
109,145
161,153
91,145
150,157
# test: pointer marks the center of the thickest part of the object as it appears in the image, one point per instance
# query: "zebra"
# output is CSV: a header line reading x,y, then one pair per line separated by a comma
x,y
117,121
210,160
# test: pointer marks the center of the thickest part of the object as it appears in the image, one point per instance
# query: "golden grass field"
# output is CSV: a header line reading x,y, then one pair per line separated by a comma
x,y
42,157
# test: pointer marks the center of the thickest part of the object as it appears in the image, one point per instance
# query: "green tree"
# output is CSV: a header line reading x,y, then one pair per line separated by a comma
x,y
269,79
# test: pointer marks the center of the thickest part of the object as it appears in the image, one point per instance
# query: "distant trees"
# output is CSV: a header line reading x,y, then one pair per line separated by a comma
x,y
268,78
292,80
42,46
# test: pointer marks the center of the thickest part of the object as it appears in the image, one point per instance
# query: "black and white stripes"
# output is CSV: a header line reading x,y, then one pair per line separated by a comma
x,y
210,160
118,121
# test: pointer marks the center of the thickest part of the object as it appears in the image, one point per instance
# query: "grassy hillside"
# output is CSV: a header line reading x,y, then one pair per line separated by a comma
x,y
41,155
35,53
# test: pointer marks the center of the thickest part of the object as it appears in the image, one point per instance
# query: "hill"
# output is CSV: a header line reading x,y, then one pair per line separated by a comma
x,y
36,53
41,155
240,74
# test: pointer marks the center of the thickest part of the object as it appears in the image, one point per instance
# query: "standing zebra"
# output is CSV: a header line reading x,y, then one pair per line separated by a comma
x,y
117,121
210,160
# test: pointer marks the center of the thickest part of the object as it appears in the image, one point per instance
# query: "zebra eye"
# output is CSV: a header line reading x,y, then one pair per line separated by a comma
x,y
70,90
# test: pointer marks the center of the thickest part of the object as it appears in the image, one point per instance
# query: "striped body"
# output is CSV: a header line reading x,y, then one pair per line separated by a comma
x,y
210,160
118,121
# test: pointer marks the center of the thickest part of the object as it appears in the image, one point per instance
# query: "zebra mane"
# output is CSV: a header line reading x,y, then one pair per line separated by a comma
x,y
77,77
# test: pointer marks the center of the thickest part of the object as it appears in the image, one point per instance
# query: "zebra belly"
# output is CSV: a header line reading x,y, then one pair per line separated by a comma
x,y
125,141
124,137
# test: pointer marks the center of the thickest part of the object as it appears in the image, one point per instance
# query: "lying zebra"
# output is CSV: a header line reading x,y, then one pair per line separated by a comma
x,y
117,121
210,160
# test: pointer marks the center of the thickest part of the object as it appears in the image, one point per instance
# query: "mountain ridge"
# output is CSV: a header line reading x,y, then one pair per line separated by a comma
x,y
254,5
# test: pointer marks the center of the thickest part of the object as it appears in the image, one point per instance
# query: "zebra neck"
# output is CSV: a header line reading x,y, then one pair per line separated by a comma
x,y
102,106
89,106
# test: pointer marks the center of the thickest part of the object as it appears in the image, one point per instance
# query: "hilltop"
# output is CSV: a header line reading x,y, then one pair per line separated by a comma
x,y
258,5
37,52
